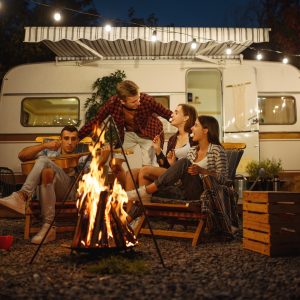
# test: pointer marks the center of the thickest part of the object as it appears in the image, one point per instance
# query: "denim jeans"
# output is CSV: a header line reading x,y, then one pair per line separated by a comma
x,y
192,184
61,179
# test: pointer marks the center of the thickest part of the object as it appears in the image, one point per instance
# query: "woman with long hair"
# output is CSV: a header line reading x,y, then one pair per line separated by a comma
x,y
179,144
204,168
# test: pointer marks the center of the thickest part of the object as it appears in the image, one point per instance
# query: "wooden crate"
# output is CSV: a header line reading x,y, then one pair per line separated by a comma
x,y
271,222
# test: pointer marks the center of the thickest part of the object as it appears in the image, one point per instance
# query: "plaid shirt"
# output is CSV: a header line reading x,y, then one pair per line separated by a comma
x,y
145,118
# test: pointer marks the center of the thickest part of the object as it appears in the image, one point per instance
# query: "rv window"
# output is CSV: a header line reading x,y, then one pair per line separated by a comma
x,y
54,112
277,110
163,100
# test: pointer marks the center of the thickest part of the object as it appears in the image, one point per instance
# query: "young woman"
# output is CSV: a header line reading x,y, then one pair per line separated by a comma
x,y
179,144
206,164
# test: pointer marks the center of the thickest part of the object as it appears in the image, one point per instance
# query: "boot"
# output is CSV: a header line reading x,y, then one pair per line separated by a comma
x,y
47,200
51,236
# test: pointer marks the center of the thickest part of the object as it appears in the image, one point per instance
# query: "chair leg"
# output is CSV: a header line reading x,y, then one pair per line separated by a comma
x,y
139,226
198,232
27,225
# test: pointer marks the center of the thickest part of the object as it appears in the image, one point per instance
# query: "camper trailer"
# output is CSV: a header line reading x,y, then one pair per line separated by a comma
x,y
255,102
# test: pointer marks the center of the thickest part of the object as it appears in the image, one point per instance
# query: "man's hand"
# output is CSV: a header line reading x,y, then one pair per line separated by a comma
x,y
53,145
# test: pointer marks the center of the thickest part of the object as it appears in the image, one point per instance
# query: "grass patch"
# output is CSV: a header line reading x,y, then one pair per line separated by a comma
x,y
119,265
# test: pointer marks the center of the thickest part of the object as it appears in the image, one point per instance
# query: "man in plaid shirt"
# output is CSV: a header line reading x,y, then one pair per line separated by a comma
x,y
136,116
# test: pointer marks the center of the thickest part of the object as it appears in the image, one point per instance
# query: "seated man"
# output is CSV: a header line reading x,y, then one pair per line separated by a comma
x,y
53,180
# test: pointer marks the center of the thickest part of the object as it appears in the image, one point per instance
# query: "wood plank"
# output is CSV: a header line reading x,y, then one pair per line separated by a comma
x,y
284,219
168,233
175,214
270,250
275,239
271,229
270,196
274,208
58,229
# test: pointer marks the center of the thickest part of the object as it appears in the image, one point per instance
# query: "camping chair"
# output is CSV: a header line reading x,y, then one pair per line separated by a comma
x,y
184,212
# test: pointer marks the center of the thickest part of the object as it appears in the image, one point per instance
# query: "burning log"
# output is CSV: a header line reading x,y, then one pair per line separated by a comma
x,y
99,220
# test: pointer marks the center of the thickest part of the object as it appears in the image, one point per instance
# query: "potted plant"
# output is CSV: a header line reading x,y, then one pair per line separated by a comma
x,y
104,87
269,174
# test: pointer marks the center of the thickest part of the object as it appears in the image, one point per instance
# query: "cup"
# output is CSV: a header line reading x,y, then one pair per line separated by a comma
x,y
6,241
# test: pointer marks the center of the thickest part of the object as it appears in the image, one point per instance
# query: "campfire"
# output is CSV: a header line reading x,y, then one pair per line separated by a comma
x,y
102,219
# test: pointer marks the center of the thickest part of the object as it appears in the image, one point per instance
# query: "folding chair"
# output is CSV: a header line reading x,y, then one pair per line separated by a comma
x,y
185,212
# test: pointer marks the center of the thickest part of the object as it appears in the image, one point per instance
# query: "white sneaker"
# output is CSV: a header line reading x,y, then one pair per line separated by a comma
x,y
132,195
51,236
16,201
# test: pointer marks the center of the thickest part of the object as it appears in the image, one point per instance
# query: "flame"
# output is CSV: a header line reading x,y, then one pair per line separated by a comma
x,y
90,188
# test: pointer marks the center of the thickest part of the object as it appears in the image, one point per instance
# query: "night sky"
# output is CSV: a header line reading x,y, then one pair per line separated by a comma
x,y
191,13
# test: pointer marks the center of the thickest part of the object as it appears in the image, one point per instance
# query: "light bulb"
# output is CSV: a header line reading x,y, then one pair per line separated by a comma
x,y
285,60
194,44
154,37
57,16
228,51
259,56
107,27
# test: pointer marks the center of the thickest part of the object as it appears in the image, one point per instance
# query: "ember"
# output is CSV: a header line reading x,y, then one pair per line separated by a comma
x,y
102,219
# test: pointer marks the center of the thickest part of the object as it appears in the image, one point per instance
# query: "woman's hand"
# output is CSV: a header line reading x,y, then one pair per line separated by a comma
x,y
171,157
156,144
195,170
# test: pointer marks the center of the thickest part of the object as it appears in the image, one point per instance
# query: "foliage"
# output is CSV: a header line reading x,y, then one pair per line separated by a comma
x,y
282,17
16,14
105,88
119,265
271,166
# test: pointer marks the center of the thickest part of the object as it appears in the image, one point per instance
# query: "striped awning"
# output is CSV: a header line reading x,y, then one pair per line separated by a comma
x,y
135,42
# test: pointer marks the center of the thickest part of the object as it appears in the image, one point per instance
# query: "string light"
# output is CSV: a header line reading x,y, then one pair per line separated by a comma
x,y
154,36
107,27
194,44
57,16
285,60
259,56
228,50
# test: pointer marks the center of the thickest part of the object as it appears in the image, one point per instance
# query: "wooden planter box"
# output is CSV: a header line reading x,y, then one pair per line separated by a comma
x,y
271,222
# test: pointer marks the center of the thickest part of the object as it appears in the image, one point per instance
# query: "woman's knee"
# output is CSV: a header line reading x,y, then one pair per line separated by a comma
x,y
47,175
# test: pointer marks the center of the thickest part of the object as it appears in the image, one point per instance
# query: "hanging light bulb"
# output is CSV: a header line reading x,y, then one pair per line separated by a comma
x,y
259,56
285,60
194,44
107,27
154,37
228,50
57,16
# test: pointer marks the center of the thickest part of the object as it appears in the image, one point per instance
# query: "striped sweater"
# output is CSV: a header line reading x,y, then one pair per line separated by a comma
x,y
216,161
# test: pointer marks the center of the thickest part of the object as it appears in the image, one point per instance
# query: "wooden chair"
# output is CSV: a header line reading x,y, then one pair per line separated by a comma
x,y
184,212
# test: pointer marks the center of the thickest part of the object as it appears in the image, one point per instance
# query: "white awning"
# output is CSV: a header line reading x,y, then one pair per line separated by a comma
x,y
135,42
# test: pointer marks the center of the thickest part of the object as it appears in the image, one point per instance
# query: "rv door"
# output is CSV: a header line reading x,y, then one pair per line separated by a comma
x,y
240,110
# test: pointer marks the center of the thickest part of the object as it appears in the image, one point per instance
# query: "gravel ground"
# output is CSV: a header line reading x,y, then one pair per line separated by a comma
x,y
212,270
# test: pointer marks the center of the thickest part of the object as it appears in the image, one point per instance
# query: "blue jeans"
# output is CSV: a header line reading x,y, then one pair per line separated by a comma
x,y
192,184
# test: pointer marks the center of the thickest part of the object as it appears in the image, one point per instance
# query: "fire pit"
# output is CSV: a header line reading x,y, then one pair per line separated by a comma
x,y
102,221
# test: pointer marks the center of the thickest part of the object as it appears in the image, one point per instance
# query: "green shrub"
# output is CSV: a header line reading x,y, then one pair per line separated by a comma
x,y
272,167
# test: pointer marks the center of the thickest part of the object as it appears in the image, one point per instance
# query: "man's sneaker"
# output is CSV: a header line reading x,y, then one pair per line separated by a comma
x,y
132,195
51,236
16,201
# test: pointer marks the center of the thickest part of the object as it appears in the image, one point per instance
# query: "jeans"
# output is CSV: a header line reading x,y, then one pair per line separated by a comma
x,y
192,184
